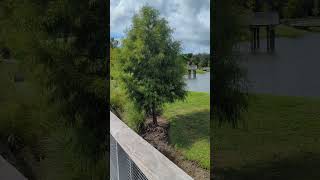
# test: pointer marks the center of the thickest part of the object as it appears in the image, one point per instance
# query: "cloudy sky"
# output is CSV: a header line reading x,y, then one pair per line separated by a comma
x,y
190,20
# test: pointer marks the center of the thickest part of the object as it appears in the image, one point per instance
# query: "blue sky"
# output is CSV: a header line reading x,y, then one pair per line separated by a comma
x,y
116,35
190,20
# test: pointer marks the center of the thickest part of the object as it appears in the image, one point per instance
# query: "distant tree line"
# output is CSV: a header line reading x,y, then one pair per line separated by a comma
x,y
286,8
201,59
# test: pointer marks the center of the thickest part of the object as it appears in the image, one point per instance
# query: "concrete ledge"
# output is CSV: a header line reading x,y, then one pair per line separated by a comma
x,y
8,172
149,160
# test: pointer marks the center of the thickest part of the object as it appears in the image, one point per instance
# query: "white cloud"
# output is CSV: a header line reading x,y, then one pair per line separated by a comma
x,y
190,19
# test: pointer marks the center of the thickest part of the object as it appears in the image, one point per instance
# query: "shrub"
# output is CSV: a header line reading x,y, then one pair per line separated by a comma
x,y
133,117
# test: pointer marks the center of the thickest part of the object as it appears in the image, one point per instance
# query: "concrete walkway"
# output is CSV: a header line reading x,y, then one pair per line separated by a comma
x,y
8,172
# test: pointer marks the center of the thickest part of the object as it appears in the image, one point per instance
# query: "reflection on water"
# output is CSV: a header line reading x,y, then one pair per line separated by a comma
x,y
293,70
200,84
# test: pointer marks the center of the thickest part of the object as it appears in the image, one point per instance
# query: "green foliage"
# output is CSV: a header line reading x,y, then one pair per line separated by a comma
x,y
118,98
120,103
152,71
67,157
114,43
25,117
229,92
67,51
315,10
293,9
133,117
285,8
124,108
201,59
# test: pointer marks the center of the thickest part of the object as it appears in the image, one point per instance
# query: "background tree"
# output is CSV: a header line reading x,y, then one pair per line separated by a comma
x,y
153,73
315,9
293,9
202,59
229,97
229,92
114,43
64,43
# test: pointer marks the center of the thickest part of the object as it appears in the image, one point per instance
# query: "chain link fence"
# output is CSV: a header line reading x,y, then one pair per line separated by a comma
x,y
133,158
121,166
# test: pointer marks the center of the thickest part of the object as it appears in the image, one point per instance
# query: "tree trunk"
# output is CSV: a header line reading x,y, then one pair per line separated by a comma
x,y
154,116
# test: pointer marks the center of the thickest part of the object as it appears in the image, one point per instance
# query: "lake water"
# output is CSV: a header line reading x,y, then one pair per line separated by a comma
x,y
200,84
293,69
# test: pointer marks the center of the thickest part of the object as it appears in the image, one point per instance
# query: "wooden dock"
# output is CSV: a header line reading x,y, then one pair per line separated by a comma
x,y
259,20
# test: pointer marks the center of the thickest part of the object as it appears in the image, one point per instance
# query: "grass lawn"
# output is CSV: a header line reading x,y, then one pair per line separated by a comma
x,y
189,127
279,139
281,31
200,71
314,29
287,31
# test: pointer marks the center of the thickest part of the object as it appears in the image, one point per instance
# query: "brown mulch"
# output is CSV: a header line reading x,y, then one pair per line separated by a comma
x,y
157,136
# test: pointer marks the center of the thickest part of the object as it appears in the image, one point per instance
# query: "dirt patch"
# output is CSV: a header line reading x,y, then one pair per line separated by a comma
x,y
157,136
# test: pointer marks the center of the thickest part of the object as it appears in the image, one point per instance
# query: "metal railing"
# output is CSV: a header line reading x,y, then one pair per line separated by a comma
x,y
133,158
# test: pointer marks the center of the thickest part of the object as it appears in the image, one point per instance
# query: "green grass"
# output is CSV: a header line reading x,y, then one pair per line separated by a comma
x,y
281,31
290,32
200,71
279,135
189,127
314,29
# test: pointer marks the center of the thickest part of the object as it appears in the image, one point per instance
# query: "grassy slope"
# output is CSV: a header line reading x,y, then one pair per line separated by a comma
x,y
280,136
189,127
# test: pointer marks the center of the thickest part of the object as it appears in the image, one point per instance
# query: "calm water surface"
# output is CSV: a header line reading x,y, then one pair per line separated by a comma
x,y
200,84
293,70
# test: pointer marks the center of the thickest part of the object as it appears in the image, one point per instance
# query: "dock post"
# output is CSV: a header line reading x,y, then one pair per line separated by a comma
x,y
268,38
252,39
258,37
272,39
189,74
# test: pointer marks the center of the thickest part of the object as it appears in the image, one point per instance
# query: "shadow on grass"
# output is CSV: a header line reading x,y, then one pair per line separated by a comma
x,y
303,166
189,128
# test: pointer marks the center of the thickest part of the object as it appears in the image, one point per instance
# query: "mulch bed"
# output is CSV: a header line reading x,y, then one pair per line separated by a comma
x,y
158,137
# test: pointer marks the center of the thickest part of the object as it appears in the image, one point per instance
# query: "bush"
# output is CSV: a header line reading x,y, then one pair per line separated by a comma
x,y
5,53
118,99
124,108
133,117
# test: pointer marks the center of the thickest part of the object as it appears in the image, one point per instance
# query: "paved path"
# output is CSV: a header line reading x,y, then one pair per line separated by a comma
x,y
8,172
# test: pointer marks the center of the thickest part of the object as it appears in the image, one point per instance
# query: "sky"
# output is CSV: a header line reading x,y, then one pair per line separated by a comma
x,y
190,20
